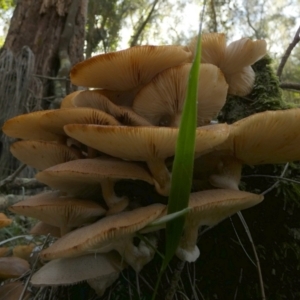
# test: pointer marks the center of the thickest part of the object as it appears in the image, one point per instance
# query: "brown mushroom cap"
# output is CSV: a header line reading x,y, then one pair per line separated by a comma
x,y
23,251
27,127
150,144
71,270
4,220
213,47
63,212
41,154
67,102
54,121
13,267
41,228
127,69
252,143
161,101
209,208
113,232
90,177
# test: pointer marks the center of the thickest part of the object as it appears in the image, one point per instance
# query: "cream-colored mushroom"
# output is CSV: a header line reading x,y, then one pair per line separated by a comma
x,y
89,177
27,127
64,212
99,270
114,232
150,144
42,154
209,208
161,101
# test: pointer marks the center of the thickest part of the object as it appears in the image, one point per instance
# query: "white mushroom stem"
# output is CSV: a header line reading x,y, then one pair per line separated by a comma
x,y
228,174
114,203
138,256
162,176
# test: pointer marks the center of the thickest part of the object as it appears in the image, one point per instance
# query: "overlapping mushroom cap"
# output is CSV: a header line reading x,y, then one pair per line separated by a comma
x,y
234,60
161,101
150,144
113,232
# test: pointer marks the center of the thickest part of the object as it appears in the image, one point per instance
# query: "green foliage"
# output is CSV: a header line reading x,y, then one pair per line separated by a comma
x,y
6,4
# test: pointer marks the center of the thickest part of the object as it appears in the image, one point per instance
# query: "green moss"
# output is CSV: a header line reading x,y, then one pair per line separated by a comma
x,y
266,95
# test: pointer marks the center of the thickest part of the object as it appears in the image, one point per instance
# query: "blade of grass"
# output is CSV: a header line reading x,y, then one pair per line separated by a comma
x,y
183,162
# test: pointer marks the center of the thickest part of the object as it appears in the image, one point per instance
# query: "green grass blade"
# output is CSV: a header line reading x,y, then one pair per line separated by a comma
x,y
184,161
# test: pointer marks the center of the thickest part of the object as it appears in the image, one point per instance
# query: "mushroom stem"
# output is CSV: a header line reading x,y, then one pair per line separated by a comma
x,y
115,204
162,176
138,256
188,250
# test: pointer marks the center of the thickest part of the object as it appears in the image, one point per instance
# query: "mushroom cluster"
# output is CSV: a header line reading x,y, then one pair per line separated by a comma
x,y
124,128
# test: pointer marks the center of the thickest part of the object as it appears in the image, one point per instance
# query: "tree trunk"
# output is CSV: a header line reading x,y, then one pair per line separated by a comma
x,y
43,35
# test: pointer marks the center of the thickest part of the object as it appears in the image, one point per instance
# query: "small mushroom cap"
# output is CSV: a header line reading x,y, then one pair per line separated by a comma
x,y
27,127
41,228
13,267
143,143
67,102
127,69
265,138
59,211
42,154
4,220
4,251
103,234
71,270
83,176
161,101
13,291
54,121
23,251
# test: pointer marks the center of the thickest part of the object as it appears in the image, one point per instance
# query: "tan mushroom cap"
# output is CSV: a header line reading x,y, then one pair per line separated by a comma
x,y
4,251
150,144
64,212
42,228
13,267
95,99
67,102
161,101
209,208
127,69
71,270
213,47
27,127
111,233
265,138
54,121
90,177
42,154
13,291
4,220
23,251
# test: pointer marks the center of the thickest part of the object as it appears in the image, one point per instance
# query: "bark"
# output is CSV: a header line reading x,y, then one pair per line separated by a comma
x,y
41,35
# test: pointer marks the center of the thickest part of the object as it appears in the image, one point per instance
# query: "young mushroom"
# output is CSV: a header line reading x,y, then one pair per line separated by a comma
x,y
161,101
150,144
4,220
13,267
64,212
99,270
114,232
89,177
209,208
